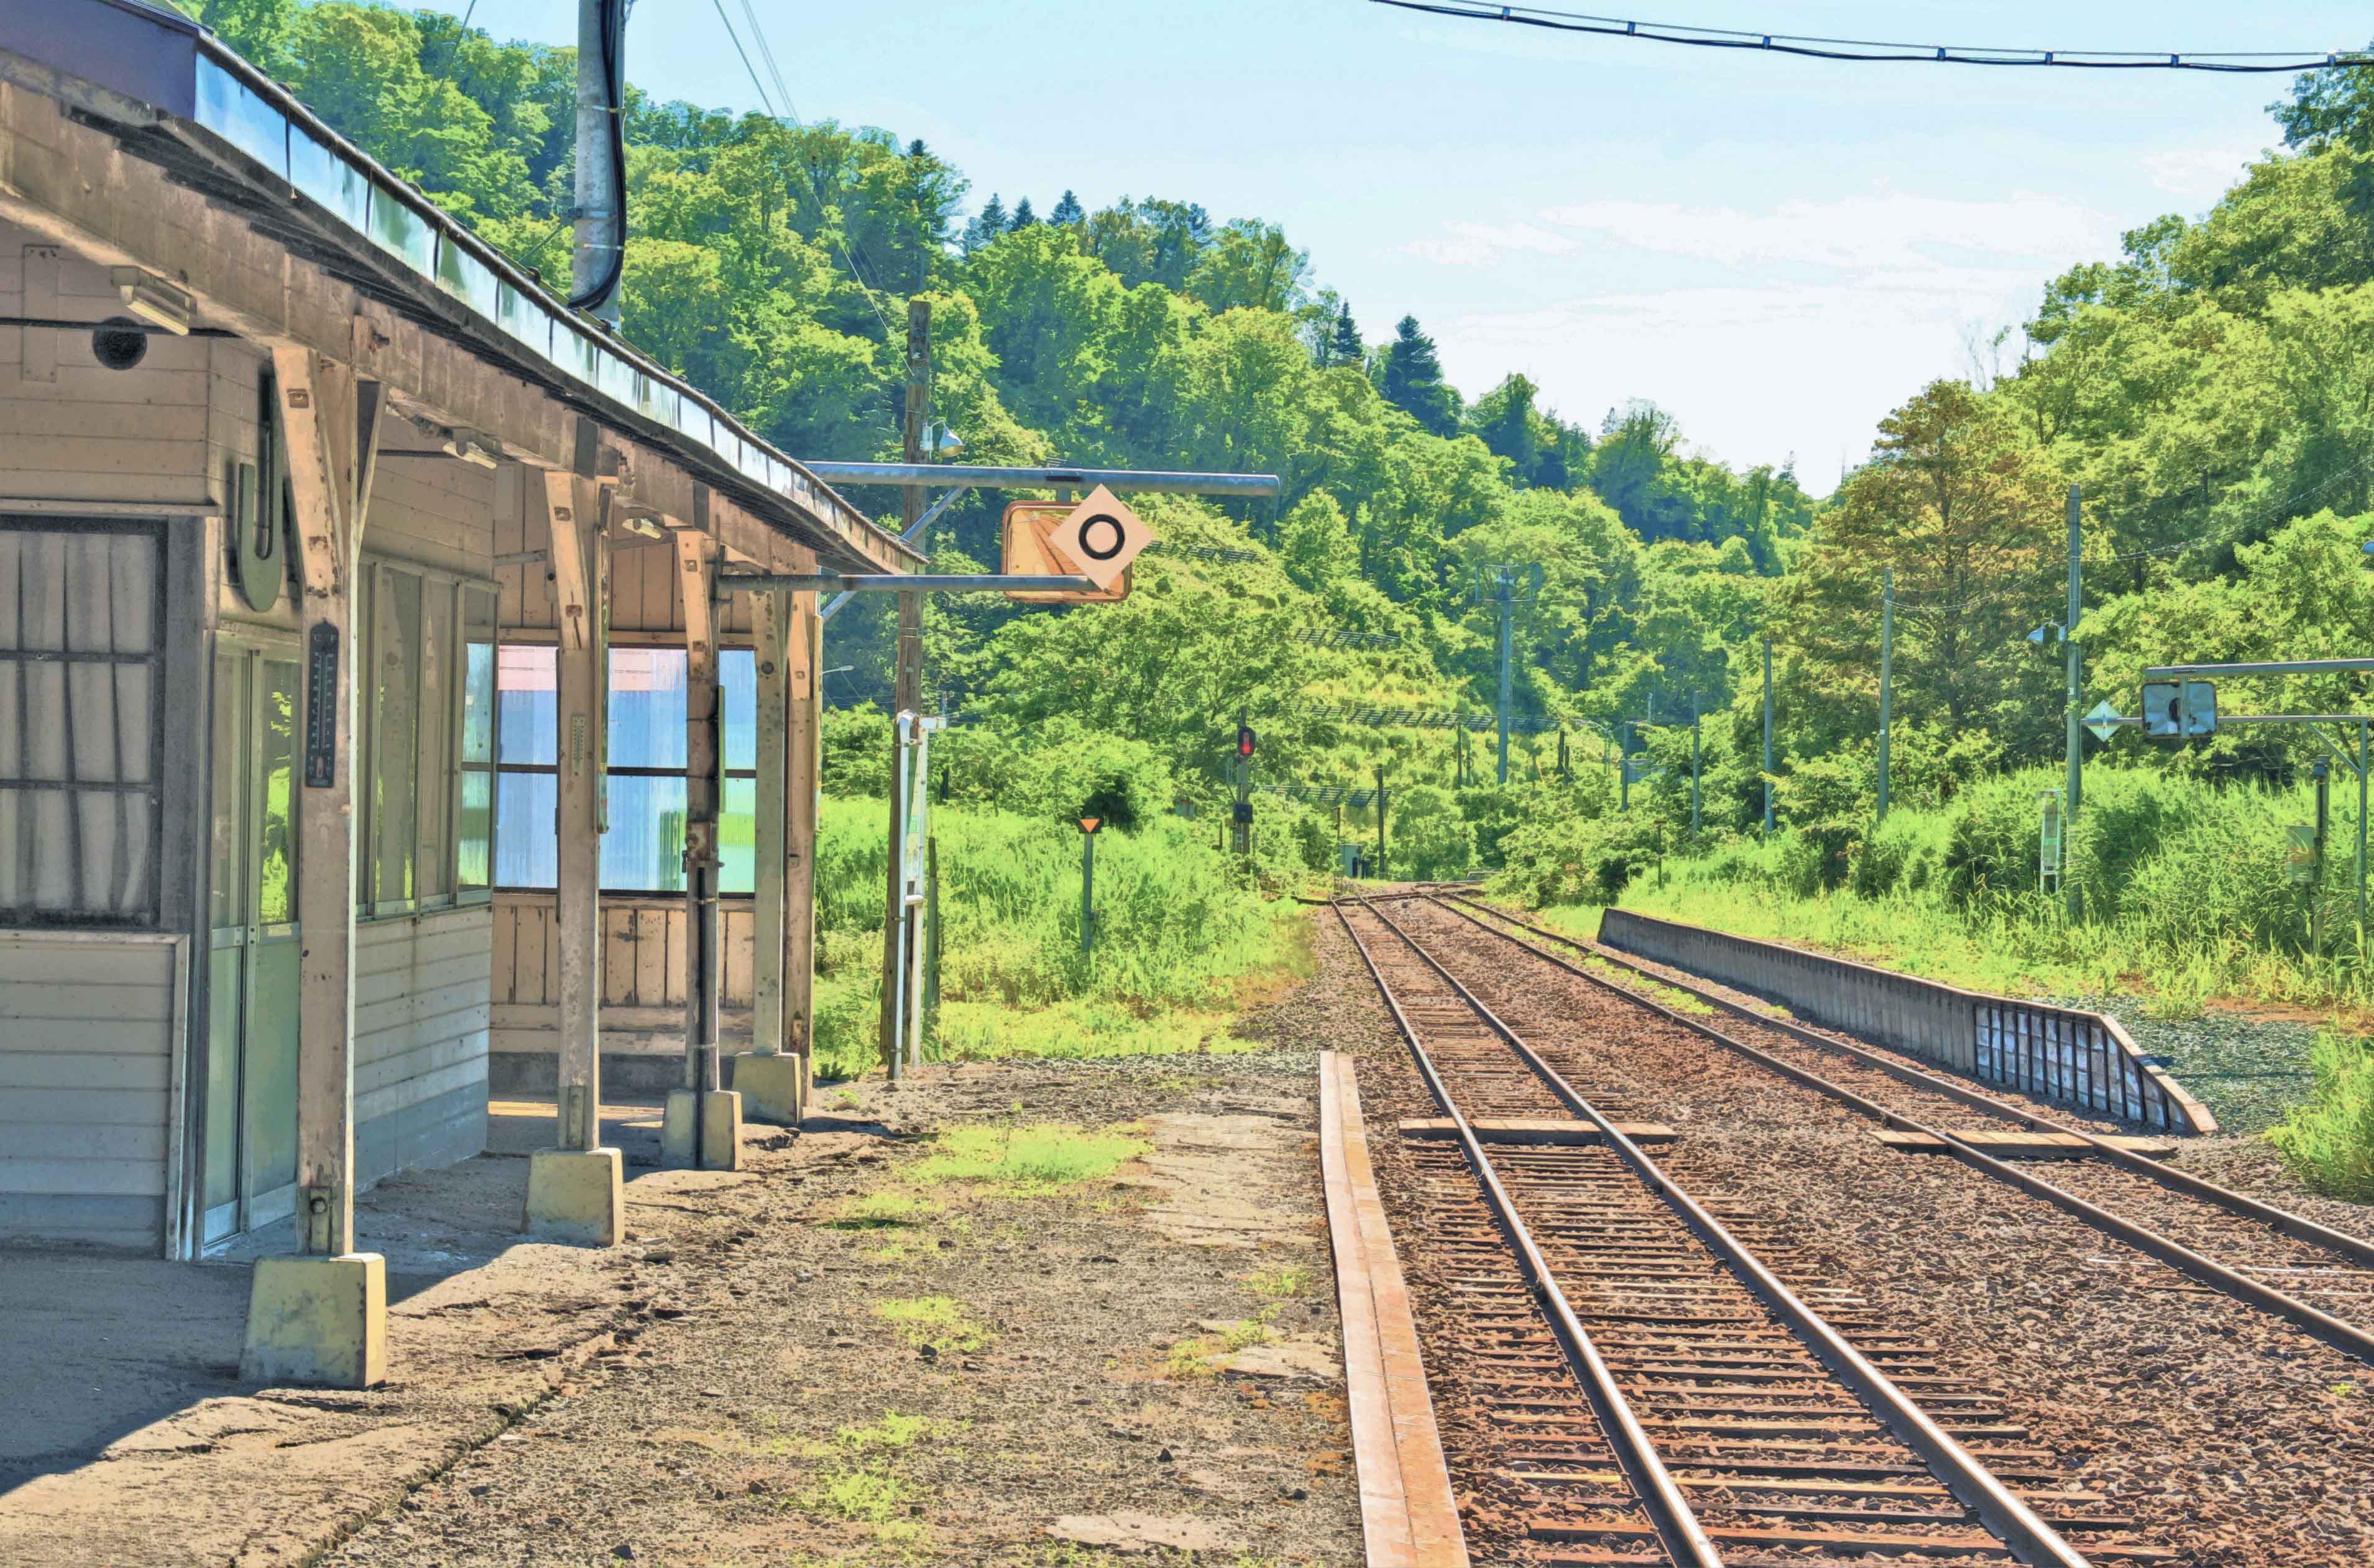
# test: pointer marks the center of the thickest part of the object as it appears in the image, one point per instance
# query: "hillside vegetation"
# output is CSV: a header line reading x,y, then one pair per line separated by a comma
x,y
2210,390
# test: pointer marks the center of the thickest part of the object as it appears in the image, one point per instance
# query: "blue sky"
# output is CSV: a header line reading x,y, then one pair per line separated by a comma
x,y
1778,250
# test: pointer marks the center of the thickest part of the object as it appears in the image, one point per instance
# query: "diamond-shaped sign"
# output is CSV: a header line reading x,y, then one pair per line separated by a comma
x,y
1102,537
2100,721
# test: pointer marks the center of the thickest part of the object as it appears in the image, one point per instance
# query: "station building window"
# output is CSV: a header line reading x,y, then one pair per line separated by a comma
x,y
643,849
81,627
428,717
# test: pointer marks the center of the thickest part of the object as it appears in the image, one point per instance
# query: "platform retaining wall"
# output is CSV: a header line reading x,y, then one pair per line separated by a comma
x,y
2084,1059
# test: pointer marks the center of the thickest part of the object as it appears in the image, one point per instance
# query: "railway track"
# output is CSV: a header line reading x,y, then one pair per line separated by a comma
x,y
1644,1387
2317,1278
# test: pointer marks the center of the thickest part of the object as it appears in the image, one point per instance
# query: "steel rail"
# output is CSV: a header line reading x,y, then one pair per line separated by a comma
x,y
2342,1336
1669,1512
2027,1537
2283,1222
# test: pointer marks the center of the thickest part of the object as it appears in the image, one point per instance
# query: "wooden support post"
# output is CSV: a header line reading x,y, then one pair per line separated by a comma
x,y
702,1129
319,1317
770,616
571,507
767,1077
801,785
576,1189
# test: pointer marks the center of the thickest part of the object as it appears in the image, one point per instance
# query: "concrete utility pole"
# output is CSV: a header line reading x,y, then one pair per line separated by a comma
x,y
2070,647
1381,825
2075,725
1768,737
1503,591
1694,763
1887,672
908,683
601,225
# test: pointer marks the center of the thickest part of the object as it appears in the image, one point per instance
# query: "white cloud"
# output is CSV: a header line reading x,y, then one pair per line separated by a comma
x,y
1754,371
1475,244
1878,233
2198,175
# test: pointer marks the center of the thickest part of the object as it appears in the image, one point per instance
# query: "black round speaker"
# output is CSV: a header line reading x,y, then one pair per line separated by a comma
x,y
119,344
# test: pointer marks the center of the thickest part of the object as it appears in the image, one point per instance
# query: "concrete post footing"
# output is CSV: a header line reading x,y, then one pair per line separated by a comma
x,y
317,1321
773,1086
711,1115
575,1196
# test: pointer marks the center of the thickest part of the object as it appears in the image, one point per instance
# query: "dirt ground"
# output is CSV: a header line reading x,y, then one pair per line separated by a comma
x,y
819,1359
1093,1381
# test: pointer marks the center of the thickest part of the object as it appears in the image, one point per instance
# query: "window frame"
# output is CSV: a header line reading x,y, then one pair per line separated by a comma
x,y
619,642
455,586
13,664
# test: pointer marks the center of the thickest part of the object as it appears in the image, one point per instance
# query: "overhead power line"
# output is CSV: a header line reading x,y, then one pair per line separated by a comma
x,y
1874,50
758,35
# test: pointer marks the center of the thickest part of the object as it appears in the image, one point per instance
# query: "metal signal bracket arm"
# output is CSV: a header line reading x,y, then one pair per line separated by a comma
x,y
895,582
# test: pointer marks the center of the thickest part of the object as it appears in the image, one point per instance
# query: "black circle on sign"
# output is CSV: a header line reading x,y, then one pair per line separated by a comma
x,y
1088,544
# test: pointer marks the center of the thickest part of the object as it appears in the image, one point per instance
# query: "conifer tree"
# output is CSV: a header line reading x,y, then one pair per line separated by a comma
x,y
1068,211
1410,379
1346,347
1023,216
986,226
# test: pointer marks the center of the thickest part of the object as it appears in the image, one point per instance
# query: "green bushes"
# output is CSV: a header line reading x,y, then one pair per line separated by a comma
x,y
1430,840
1175,922
2329,1141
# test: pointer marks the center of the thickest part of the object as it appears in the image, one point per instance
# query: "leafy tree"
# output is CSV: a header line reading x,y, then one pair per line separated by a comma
x,y
1411,378
1967,509
1248,265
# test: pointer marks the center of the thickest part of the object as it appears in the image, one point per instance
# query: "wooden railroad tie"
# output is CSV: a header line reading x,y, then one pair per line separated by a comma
x,y
2006,1144
1538,1132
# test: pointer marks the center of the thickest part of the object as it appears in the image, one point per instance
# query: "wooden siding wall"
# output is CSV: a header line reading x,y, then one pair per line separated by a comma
x,y
643,974
72,428
421,1034
645,594
87,1026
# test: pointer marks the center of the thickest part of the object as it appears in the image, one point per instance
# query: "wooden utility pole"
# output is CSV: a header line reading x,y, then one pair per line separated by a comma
x,y
702,1129
908,683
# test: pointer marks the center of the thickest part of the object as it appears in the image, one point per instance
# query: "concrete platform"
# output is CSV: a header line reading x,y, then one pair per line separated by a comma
x,y
1543,1132
92,1360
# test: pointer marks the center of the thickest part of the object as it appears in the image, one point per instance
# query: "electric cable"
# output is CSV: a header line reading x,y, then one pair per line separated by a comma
x,y
791,115
1863,50
613,19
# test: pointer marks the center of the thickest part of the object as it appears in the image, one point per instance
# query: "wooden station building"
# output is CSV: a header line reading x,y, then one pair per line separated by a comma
x,y
351,586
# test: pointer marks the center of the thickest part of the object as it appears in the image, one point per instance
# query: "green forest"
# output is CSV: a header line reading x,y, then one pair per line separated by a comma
x,y
2209,393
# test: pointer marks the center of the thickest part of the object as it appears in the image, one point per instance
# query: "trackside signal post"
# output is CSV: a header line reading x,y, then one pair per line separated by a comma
x,y
1056,554
2179,706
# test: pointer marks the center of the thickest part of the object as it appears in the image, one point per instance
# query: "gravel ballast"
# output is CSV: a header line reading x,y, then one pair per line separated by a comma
x,y
2233,1438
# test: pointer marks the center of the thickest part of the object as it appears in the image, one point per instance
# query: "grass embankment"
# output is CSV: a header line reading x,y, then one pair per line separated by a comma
x,y
2184,904
1183,941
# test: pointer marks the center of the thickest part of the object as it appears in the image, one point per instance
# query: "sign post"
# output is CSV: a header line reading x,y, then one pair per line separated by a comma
x,y
2048,877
